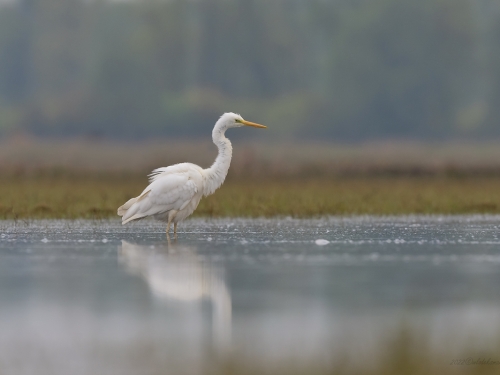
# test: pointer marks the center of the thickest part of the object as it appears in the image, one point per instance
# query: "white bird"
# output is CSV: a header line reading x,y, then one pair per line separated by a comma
x,y
174,192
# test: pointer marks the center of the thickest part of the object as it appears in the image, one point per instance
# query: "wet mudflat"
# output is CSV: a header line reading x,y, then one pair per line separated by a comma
x,y
81,297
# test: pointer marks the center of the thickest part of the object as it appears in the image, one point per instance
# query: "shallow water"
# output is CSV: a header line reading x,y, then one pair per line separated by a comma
x,y
82,297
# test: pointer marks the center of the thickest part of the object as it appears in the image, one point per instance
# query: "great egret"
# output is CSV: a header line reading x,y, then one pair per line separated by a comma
x,y
174,192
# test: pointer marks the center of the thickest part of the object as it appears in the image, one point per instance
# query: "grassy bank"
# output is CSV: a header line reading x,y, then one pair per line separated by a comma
x,y
59,195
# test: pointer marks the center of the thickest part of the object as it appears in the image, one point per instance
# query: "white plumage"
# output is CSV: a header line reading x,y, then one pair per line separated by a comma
x,y
174,192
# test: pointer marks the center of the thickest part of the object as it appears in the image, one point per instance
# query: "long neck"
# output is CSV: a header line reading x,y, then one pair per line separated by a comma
x,y
215,175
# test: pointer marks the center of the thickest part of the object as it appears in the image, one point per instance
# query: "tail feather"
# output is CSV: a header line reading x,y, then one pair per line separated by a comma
x,y
131,209
123,209
134,217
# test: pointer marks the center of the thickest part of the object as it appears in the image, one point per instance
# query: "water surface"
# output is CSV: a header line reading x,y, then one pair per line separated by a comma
x,y
82,297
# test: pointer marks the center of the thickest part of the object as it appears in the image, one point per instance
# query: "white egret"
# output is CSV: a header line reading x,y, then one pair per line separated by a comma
x,y
174,192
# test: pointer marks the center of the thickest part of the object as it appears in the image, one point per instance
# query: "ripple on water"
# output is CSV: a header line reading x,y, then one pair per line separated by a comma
x,y
266,286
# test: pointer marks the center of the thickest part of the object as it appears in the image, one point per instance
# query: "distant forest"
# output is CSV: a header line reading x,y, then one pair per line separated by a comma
x,y
330,69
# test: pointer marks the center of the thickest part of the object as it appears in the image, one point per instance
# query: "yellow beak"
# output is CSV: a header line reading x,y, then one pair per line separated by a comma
x,y
248,123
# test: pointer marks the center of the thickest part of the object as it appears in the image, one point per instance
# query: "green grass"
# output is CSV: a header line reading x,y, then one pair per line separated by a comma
x,y
58,195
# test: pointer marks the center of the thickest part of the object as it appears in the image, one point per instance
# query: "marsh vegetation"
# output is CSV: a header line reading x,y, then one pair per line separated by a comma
x,y
62,195
91,178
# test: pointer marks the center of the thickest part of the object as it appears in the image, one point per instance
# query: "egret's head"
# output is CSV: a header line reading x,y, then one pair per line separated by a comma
x,y
233,120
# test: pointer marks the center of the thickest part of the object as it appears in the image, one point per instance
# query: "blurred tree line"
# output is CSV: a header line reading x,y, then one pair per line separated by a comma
x,y
349,69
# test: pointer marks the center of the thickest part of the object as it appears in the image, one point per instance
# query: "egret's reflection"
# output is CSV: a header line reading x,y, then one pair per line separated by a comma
x,y
175,272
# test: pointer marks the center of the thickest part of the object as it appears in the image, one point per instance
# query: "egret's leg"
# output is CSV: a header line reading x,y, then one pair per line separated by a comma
x,y
175,229
171,215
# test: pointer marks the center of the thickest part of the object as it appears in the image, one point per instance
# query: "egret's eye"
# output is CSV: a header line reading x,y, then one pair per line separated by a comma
x,y
237,120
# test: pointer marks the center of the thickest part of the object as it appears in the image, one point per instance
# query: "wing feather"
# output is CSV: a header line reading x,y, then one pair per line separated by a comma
x,y
170,189
176,168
